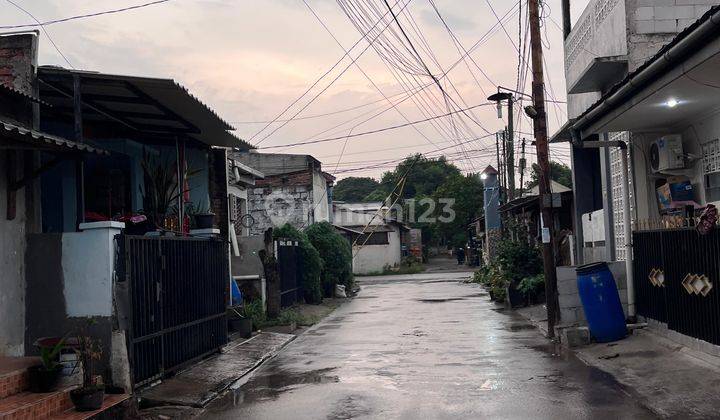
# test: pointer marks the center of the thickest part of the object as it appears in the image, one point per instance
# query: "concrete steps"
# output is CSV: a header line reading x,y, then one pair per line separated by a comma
x,y
16,402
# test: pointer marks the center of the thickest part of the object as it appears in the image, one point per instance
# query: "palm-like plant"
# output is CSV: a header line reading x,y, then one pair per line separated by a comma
x,y
161,189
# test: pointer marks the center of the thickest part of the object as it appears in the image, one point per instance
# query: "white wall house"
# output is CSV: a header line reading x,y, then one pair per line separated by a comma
x,y
611,40
376,234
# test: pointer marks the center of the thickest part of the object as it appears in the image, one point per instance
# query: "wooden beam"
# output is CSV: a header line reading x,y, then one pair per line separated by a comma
x,y
16,185
162,107
11,174
80,164
86,101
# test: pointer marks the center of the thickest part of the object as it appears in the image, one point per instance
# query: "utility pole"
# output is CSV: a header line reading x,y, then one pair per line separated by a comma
x,y
522,164
505,166
511,150
541,142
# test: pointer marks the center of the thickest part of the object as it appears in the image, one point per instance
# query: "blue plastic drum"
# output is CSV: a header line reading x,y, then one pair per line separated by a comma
x,y
601,302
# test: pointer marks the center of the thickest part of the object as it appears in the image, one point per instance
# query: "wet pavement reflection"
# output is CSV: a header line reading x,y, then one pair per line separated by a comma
x,y
425,349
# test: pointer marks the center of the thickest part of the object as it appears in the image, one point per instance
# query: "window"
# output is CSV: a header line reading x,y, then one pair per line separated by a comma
x,y
711,170
617,195
375,238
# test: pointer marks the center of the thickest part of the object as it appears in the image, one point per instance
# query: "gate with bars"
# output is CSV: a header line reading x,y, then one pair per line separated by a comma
x,y
287,258
177,292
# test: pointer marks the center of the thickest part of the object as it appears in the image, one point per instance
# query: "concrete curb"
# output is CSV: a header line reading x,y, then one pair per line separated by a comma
x,y
190,388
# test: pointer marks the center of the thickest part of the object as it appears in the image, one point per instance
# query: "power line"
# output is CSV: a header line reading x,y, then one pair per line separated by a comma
x,y
67,19
482,40
379,130
322,77
42,26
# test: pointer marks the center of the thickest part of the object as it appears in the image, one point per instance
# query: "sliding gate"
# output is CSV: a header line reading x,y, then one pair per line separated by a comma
x,y
177,294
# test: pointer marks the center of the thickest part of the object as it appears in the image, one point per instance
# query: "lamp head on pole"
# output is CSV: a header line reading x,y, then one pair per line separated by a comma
x,y
498,98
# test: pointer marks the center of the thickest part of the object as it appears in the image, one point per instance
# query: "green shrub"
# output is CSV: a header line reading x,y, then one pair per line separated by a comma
x,y
309,264
517,260
256,312
336,254
517,264
532,286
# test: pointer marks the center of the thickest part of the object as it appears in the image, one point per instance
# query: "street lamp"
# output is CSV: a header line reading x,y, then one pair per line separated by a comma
x,y
509,157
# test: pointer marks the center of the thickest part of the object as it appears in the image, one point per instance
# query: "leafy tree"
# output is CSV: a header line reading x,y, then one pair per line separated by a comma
x,y
354,189
310,264
336,254
559,172
466,193
424,176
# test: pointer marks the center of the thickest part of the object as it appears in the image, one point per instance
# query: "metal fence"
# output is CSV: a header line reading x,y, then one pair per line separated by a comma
x,y
675,280
177,289
287,255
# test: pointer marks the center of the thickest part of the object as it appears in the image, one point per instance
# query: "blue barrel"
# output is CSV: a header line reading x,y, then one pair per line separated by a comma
x,y
601,302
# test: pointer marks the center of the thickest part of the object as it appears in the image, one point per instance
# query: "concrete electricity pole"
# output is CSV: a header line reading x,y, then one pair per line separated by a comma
x,y
541,142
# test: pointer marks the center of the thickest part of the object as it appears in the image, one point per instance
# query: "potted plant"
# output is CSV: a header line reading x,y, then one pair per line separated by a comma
x,y
45,377
239,322
90,396
160,188
203,217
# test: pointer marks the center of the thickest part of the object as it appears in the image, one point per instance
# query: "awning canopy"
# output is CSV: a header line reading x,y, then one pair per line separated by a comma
x,y
145,104
18,138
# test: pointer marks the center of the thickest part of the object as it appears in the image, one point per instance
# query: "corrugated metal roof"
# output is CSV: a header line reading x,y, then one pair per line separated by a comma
x,y
169,105
45,141
12,91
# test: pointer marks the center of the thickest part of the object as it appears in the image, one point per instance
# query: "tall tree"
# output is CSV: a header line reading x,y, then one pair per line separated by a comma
x,y
559,172
424,176
354,189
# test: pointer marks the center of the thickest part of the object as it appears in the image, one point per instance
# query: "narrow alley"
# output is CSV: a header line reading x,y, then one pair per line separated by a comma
x,y
421,346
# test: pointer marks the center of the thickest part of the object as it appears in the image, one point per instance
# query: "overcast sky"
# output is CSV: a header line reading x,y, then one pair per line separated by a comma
x,y
250,59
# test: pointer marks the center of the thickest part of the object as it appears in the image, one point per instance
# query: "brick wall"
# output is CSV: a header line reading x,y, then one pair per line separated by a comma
x,y
17,55
281,199
296,178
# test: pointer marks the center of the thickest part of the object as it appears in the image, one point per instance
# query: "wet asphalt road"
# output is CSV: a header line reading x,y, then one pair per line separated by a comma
x,y
425,347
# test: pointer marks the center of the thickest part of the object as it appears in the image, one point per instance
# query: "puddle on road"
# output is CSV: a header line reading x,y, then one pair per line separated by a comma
x,y
271,385
518,327
329,327
439,300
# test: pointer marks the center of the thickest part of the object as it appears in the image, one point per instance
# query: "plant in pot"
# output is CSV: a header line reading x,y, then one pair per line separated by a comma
x,y
203,217
160,188
45,377
239,322
90,396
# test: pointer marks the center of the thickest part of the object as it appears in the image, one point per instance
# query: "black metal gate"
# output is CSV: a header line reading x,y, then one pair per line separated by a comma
x,y
676,280
287,254
177,295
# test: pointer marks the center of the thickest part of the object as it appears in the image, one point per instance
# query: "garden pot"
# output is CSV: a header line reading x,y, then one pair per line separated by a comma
x,y
87,399
242,326
204,221
43,380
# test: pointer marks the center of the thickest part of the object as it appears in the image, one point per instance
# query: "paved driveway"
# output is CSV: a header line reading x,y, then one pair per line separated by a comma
x,y
425,347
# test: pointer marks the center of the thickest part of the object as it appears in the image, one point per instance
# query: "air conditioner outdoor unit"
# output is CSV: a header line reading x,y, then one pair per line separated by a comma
x,y
667,153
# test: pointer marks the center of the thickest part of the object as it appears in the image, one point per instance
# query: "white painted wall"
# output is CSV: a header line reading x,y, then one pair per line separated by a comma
x,y
373,258
88,265
12,272
320,198
694,134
